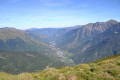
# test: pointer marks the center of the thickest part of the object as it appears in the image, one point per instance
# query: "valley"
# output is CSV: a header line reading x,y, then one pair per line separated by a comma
x,y
61,54
86,43
59,39
36,49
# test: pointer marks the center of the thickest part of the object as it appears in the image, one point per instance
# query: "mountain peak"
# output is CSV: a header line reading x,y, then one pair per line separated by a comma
x,y
112,21
8,28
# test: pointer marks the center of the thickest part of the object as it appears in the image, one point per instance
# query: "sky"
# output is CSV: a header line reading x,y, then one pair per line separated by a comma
x,y
25,14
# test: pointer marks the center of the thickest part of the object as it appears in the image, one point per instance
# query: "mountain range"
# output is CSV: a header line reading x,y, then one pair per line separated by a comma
x,y
87,43
37,49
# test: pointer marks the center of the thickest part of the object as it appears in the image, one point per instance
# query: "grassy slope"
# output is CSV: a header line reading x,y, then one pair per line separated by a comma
x,y
105,69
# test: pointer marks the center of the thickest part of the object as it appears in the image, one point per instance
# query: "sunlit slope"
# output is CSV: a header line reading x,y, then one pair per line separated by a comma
x,y
105,69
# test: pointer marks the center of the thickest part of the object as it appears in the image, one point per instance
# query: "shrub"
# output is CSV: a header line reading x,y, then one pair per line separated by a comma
x,y
113,72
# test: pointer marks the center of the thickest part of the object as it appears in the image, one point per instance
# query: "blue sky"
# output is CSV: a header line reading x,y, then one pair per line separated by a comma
x,y
24,14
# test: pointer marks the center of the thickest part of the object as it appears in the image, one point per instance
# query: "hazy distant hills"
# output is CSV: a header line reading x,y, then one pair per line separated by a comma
x,y
47,35
82,44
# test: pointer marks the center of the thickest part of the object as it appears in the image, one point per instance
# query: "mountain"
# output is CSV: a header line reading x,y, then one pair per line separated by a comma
x,y
85,43
20,52
103,45
48,35
61,46
79,35
91,42
105,69
17,40
45,35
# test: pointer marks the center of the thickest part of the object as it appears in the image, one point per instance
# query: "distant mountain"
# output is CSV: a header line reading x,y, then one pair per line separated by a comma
x,y
105,69
47,35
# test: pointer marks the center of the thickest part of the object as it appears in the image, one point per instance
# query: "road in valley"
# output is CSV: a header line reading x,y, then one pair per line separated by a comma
x,y
61,54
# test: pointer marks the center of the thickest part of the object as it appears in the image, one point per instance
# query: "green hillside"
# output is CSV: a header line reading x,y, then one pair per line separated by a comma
x,y
105,69
19,52
17,40
18,62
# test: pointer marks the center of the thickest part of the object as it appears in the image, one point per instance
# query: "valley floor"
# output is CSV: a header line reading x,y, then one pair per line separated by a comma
x,y
62,54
